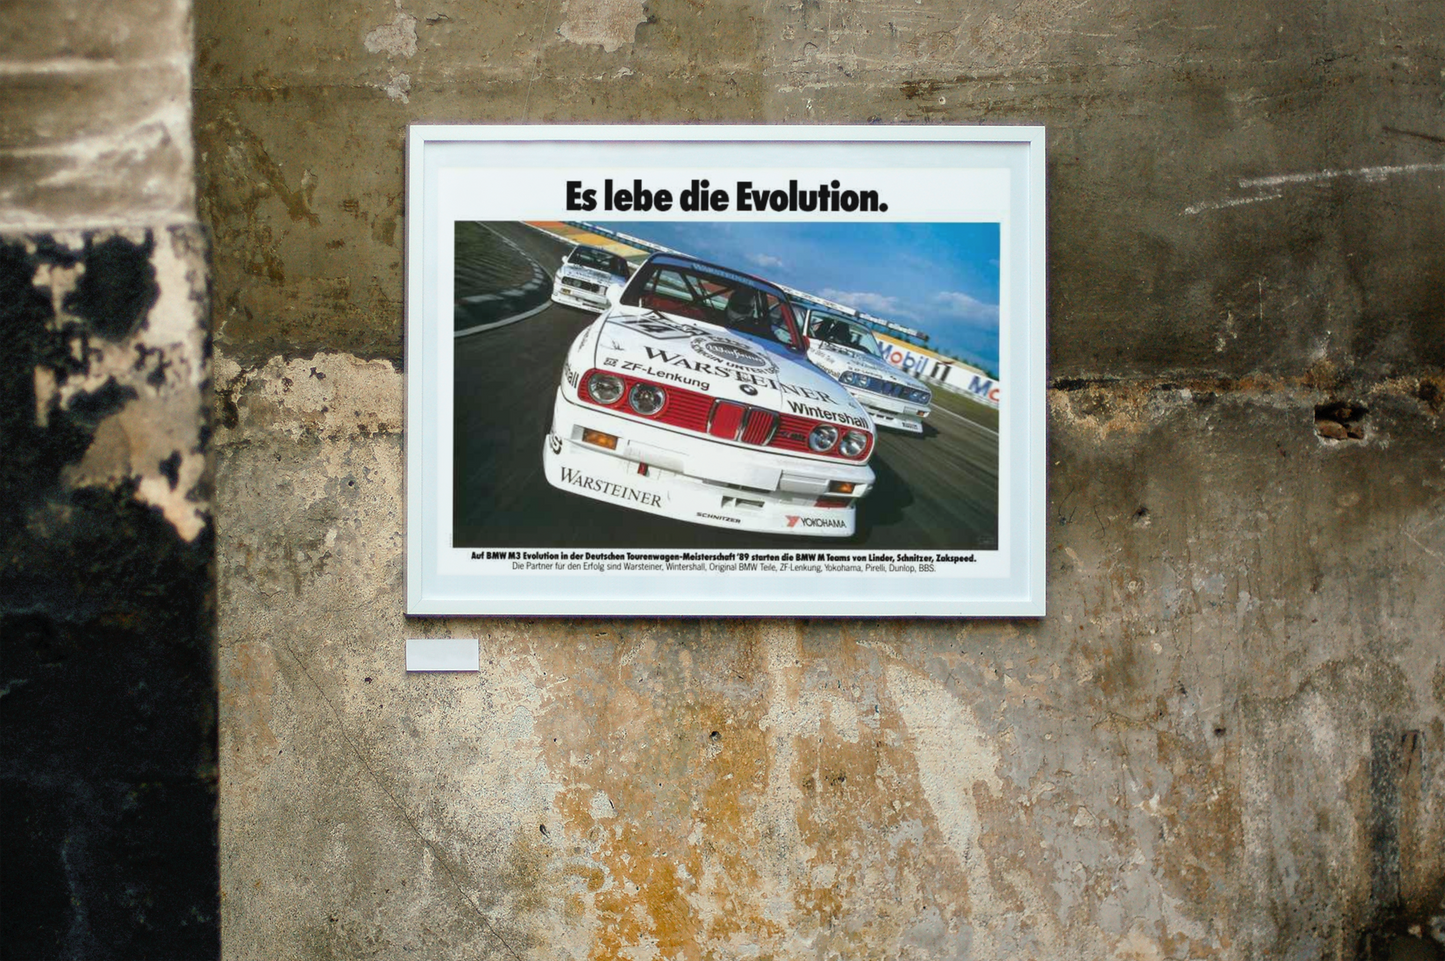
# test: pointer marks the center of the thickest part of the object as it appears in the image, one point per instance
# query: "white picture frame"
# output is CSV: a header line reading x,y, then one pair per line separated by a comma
x,y
497,525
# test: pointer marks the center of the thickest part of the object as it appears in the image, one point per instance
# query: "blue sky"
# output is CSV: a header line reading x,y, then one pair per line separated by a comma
x,y
938,278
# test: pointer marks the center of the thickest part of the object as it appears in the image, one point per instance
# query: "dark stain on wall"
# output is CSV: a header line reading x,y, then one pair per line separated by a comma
x,y
118,286
107,691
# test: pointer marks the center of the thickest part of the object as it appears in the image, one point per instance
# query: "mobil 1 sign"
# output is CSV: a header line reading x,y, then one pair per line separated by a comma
x,y
725,371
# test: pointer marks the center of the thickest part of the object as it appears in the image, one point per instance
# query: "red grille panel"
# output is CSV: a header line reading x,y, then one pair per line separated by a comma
x,y
726,417
685,409
759,426
690,410
793,433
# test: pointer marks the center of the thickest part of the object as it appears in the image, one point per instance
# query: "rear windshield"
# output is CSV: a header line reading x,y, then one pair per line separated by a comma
x,y
696,294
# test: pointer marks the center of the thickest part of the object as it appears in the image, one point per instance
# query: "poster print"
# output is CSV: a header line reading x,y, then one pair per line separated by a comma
x,y
742,371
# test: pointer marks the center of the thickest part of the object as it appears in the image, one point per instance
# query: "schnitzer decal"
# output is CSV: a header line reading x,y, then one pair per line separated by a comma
x,y
718,517
733,353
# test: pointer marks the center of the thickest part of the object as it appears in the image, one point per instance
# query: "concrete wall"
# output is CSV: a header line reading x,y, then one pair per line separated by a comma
x,y
107,701
1225,741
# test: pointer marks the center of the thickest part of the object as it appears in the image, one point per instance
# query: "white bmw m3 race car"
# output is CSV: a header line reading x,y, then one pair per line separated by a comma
x,y
849,351
584,276
693,397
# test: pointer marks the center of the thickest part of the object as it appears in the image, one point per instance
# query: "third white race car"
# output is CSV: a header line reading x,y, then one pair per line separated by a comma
x,y
585,275
693,397
849,351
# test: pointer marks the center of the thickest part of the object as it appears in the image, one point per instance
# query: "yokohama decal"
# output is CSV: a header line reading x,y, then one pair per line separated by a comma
x,y
794,520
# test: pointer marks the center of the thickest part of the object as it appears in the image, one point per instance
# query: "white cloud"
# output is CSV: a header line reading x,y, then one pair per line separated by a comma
x,y
765,261
955,303
884,305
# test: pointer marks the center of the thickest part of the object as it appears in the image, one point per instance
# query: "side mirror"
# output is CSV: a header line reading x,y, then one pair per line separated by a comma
x,y
806,343
614,294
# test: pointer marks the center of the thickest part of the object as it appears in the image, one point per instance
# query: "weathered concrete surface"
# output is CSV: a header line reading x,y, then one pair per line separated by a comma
x,y
95,130
108,783
1224,742
1198,754
1229,187
107,618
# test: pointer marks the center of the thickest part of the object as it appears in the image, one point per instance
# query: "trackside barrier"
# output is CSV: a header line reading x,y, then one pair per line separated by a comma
x,y
941,371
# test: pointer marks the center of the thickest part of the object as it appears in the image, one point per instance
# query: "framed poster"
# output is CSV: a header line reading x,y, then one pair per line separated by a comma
x,y
705,370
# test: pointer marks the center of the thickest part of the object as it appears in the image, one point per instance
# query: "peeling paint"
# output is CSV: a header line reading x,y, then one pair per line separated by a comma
x,y
398,87
395,39
327,394
154,438
610,24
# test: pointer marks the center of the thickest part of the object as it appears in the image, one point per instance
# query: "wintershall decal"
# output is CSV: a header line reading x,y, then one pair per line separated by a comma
x,y
701,195
578,479
823,413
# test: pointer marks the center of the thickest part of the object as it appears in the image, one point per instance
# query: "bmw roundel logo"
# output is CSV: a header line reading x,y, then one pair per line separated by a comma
x,y
748,389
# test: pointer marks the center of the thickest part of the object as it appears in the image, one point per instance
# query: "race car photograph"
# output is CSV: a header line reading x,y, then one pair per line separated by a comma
x,y
714,391
585,275
852,355
693,398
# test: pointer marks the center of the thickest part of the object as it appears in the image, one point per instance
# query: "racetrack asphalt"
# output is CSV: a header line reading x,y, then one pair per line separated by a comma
x,y
934,492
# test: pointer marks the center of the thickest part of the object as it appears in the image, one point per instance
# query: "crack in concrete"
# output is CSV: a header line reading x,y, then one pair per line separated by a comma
x,y
411,823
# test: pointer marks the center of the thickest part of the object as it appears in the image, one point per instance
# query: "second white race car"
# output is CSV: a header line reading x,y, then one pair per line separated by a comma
x,y
585,275
849,351
692,397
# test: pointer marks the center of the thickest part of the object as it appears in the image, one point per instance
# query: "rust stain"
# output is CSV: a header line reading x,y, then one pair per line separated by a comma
x,y
665,799
608,23
248,683
763,815
244,175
